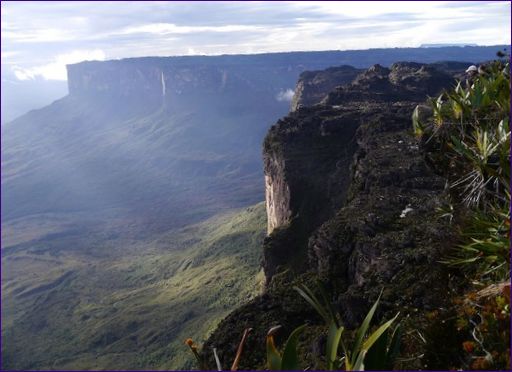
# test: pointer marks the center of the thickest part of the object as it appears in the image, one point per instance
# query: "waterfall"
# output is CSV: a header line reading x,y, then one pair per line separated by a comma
x,y
163,84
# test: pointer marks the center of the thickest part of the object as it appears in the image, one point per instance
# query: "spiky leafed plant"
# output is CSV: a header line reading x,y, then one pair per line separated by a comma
x,y
201,363
486,246
374,351
470,128
471,124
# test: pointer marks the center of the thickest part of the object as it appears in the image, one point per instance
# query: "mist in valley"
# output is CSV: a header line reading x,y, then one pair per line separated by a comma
x,y
133,192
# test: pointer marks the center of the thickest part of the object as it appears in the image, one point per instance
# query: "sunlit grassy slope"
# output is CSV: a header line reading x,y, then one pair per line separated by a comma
x,y
80,309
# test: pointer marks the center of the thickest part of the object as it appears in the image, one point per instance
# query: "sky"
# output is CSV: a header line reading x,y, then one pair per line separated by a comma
x,y
39,38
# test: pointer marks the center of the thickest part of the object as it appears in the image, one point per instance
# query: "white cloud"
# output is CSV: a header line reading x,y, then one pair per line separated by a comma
x,y
43,35
171,28
285,95
9,54
207,28
56,70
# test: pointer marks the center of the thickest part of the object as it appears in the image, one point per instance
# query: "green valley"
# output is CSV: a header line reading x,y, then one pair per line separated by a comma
x,y
132,310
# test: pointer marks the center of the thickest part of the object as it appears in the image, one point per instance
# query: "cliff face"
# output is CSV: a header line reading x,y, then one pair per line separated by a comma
x,y
318,145
351,201
308,156
166,78
314,85
304,159
174,83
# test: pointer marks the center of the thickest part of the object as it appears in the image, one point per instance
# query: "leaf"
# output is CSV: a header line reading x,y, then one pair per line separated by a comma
x,y
306,293
328,305
394,345
359,363
376,358
217,360
364,326
290,360
416,124
273,356
238,355
333,341
375,335
381,356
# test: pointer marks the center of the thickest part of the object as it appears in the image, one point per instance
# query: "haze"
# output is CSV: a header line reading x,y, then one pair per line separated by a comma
x,y
141,188
35,53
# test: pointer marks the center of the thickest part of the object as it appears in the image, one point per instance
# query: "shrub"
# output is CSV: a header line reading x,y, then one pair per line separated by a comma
x,y
467,136
469,133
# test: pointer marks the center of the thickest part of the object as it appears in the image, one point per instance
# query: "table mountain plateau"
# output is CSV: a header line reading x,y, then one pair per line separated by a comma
x,y
132,214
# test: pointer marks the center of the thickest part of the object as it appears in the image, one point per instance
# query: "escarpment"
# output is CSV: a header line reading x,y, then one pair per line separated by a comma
x,y
308,156
352,202
306,164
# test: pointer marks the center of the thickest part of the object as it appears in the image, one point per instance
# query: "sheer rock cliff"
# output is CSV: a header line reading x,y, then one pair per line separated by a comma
x,y
351,201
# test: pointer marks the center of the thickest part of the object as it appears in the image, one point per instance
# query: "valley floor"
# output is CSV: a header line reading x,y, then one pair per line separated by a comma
x,y
121,300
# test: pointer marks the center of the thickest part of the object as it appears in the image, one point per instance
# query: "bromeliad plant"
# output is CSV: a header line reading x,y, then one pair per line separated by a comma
x,y
470,124
486,246
201,363
374,351
470,129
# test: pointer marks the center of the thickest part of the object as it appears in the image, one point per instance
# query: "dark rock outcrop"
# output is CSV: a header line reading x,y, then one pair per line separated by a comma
x,y
352,202
314,85
403,81
306,162
308,156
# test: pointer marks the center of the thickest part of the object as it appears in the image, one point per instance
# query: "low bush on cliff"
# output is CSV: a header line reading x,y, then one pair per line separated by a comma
x,y
467,136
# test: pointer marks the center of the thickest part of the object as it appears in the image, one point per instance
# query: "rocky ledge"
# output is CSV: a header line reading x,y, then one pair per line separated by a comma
x,y
351,201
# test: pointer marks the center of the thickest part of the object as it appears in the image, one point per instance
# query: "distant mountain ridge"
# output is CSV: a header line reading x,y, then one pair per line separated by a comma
x,y
441,45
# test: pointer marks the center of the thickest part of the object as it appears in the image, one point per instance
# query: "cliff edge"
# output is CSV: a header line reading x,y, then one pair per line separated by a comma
x,y
351,201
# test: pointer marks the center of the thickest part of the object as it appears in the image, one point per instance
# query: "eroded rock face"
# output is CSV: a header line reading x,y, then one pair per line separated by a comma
x,y
403,81
308,154
277,196
307,158
388,232
359,205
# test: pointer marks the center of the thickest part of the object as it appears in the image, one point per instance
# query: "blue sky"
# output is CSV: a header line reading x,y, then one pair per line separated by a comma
x,y
40,38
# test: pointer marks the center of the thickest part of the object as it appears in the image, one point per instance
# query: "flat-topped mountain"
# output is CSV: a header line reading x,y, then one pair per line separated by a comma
x,y
105,194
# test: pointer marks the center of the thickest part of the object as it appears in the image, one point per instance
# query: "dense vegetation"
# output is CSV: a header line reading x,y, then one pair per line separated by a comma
x,y
131,309
468,138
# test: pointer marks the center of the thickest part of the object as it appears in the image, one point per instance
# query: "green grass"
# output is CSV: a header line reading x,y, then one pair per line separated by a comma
x,y
132,308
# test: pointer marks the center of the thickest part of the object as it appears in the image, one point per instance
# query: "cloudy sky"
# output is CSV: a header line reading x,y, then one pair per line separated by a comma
x,y
40,38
